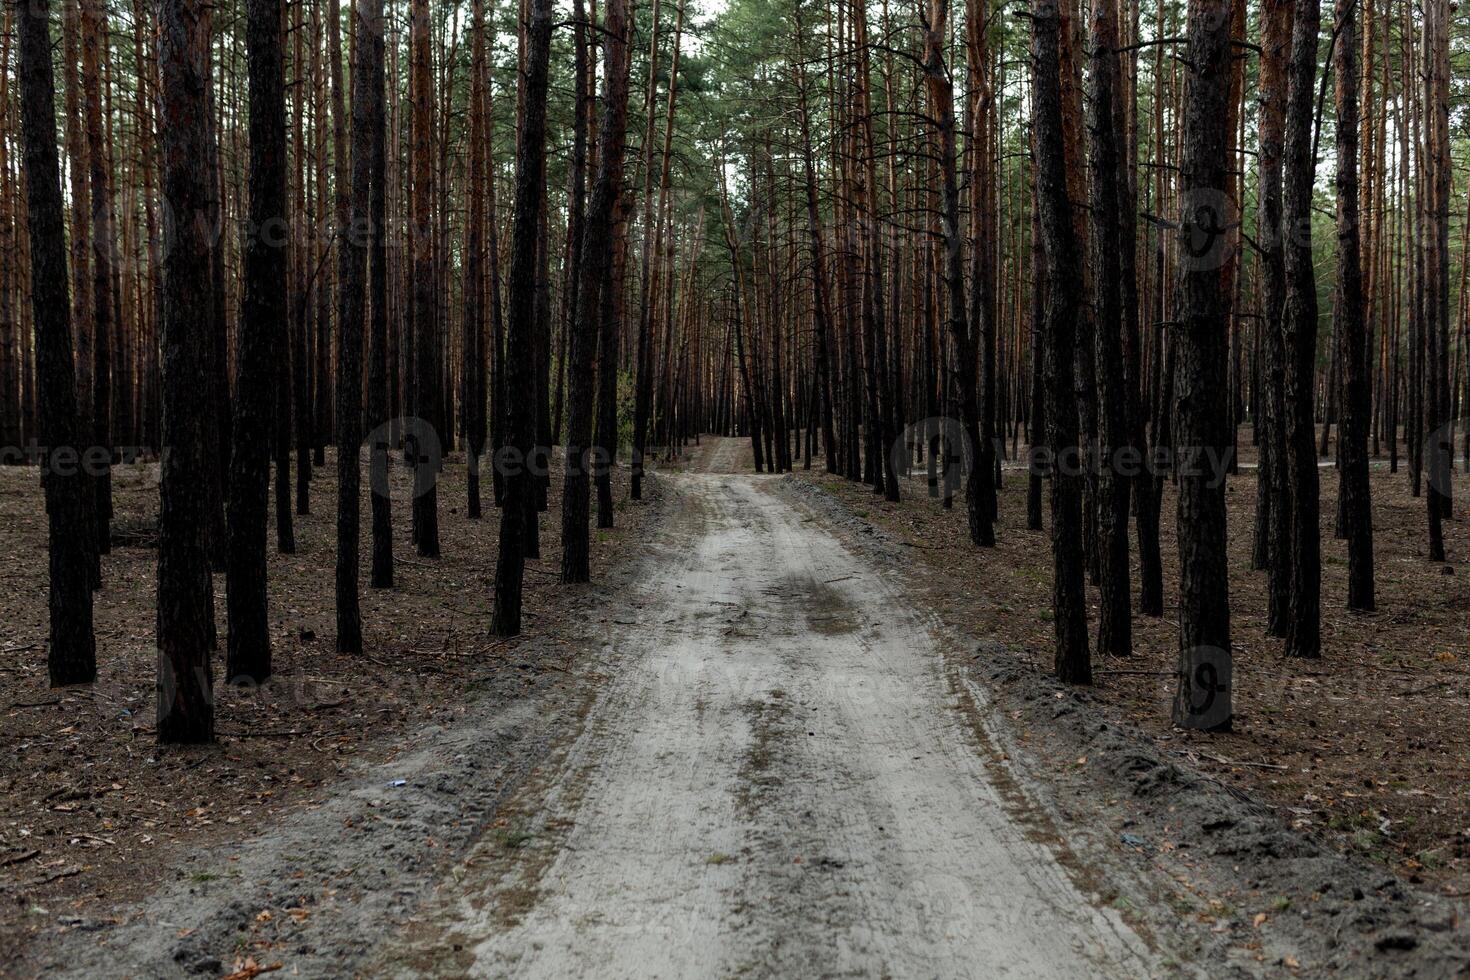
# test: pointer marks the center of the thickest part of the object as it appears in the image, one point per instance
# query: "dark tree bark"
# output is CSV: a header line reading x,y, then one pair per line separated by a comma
x,y
1437,447
875,309
583,106
341,214
1115,618
473,326
1036,432
352,255
71,656
596,270
261,337
1146,503
425,311
1303,638
218,417
93,40
83,310
605,431
379,380
979,485
1201,436
1064,268
519,375
1357,505
185,593
1274,504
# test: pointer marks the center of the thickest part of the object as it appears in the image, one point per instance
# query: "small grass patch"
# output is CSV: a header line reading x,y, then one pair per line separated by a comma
x,y
513,838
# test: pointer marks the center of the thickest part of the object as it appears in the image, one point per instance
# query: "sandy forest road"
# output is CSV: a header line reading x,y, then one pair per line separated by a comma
x,y
777,780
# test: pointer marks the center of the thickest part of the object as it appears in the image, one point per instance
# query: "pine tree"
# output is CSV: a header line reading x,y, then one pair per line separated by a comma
x,y
519,355
71,656
186,632
1203,699
262,317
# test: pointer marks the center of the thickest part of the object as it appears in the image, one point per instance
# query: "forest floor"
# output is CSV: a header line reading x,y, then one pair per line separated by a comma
x,y
791,730
97,815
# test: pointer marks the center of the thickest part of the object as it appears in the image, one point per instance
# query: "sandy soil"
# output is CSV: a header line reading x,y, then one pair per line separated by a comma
x,y
1366,749
777,783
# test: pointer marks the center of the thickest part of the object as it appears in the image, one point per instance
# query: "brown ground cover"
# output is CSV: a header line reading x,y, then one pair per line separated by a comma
x,y
95,811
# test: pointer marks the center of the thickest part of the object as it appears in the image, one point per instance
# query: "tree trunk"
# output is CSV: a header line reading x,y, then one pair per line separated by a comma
x,y
1064,269
425,313
520,358
371,68
1274,507
597,243
1303,638
978,485
605,431
93,39
71,656
1357,506
1204,693
1115,622
262,317
1437,426
351,257
185,594
83,309
473,327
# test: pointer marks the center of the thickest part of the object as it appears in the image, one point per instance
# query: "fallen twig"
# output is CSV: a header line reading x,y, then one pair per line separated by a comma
x,y
1227,762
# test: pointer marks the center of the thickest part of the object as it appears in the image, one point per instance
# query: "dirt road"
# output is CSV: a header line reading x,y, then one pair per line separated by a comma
x,y
776,781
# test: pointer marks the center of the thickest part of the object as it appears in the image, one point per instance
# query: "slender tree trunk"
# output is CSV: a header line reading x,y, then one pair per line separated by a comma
x,y
520,357
352,254
1275,511
83,309
186,631
1303,637
425,312
474,287
1357,505
371,68
978,486
1204,693
821,305
93,39
1037,433
71,656
605,431
597,246
341,202
1437,182
261,336
1115,622
1064,268
648,292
